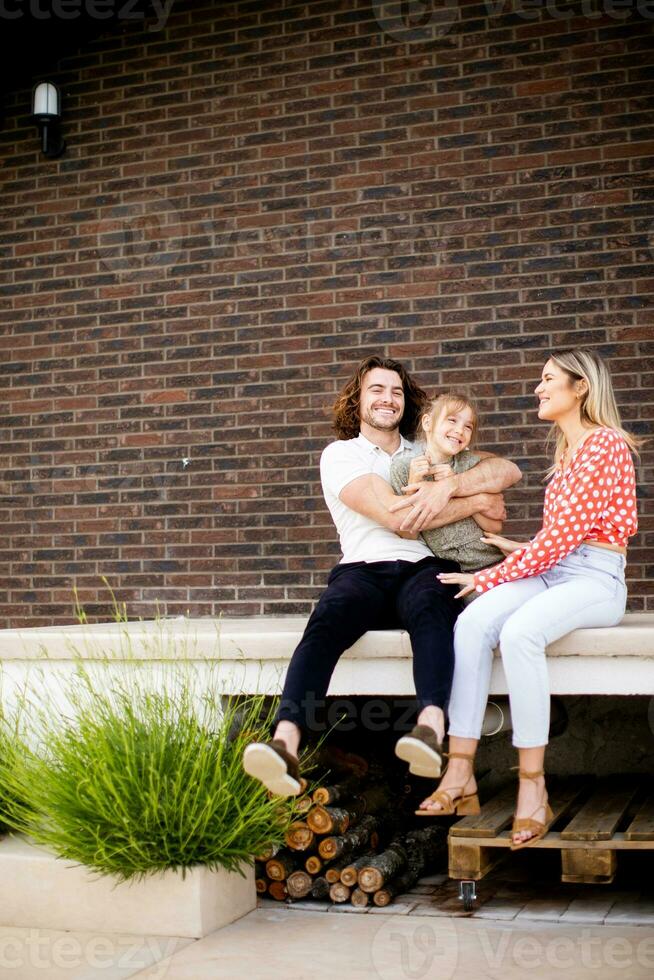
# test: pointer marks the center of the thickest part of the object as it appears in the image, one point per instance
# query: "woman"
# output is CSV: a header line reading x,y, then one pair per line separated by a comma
x,y
570,575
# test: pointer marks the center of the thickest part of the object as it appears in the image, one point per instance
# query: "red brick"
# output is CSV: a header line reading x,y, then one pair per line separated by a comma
x,y
201,290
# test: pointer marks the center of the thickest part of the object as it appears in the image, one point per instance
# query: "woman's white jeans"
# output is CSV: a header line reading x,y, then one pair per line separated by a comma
x,y
584,589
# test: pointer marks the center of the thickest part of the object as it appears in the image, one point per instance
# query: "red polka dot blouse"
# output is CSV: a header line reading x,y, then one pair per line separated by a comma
x,y
592,499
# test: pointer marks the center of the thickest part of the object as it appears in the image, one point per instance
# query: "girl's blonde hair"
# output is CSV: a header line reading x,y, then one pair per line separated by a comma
x,y
451,401
598,405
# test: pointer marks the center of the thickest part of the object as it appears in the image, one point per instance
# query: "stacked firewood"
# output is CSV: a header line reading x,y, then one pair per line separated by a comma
x,y
348,846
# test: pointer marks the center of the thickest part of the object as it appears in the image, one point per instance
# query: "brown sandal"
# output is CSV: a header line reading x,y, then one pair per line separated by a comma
x,y
537,828
451,802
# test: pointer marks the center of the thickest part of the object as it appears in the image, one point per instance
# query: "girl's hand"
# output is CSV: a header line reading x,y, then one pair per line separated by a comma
x,y
418,469
465,579
440,471
506,545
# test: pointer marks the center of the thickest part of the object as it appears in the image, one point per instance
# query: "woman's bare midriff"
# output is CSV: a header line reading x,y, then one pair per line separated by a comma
x,y
609,547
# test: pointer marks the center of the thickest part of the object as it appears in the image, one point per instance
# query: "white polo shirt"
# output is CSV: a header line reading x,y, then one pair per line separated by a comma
x,y
361,538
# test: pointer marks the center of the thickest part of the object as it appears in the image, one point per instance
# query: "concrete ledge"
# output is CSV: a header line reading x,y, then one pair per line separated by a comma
x,y
40,891
252,654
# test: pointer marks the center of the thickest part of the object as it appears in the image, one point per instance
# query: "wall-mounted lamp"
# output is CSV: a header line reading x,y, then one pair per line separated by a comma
x,y
46,113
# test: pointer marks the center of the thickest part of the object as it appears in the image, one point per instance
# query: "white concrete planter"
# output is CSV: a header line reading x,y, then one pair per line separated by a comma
x,y
41,891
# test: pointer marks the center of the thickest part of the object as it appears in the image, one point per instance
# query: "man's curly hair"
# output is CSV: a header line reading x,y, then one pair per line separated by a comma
x,y
346,410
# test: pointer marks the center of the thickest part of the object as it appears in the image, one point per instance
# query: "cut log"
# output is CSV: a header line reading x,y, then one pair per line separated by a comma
x,y
337,760
313,864
398,886
299,884
260,878
354,840
320,888
280,866
277,890
268,851
375,798
384,896
299,836
333,819
333,872
303,805
329,795
338,892
383,867
350,873
422,847
359,899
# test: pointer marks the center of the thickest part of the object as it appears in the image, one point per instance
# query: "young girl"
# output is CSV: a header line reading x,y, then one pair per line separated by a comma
x,y
449,427
570,576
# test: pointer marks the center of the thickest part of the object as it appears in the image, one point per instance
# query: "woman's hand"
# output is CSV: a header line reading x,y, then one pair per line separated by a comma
x,y
506,545
459,578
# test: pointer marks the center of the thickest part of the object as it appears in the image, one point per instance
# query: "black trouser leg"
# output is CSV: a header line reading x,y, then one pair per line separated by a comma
x,y
357,599
427,610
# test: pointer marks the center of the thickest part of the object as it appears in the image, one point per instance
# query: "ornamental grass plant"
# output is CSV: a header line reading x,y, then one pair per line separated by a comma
x,y
13,808
142,774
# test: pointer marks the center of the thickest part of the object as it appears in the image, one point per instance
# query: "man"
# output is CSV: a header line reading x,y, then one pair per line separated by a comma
x,y
387,576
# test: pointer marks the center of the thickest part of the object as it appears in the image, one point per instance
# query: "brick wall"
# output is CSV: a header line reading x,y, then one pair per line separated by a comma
x,y
252,199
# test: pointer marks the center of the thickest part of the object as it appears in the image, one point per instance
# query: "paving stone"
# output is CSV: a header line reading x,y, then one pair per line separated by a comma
x,y
347,907
308,905
518,895
419,899
547,909
397,908
497,909
422,890
440,911
269,904
631,913
592,909
466,950
433,879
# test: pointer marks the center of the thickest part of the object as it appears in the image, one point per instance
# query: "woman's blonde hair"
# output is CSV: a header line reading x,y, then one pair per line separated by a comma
x,y
450,401
598,405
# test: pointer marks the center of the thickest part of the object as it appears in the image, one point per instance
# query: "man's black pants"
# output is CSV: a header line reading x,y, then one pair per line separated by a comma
x,y
362,596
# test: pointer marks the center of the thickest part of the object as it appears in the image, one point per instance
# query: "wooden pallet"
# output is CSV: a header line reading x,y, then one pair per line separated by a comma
x,y
593,820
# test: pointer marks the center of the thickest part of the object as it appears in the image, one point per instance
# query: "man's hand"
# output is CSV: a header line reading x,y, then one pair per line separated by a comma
x,y
440,471
487,524
493,506
425,502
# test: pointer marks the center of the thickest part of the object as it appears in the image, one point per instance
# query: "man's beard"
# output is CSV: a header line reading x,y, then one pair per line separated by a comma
x,y
389,426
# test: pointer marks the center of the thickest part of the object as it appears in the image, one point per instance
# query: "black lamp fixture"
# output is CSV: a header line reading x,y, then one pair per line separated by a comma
x,y
46,113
